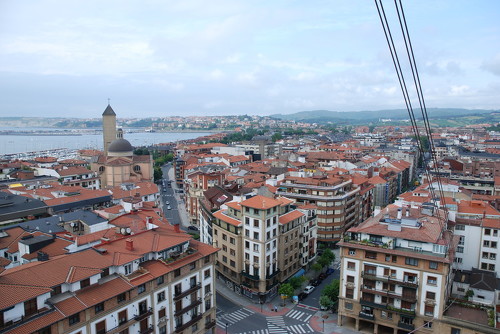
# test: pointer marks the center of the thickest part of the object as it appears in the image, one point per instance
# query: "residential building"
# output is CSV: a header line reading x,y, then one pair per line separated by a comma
x,y
396,272
263,243
158,281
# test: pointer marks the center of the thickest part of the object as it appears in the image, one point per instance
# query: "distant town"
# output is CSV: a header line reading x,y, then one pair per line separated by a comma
x,y
266,225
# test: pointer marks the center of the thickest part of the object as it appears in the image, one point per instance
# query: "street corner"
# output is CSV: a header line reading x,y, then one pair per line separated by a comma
x,y
323,322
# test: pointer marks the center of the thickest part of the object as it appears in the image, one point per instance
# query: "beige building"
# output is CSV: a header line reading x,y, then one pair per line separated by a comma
x,y
118,164
263,242
396,273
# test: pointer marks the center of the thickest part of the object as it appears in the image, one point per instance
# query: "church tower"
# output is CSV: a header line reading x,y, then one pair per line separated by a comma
x,y
108,127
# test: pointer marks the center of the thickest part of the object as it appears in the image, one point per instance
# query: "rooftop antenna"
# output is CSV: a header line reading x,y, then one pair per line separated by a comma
x,y
108,100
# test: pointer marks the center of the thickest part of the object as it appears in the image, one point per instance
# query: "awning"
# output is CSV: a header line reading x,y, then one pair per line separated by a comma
x,y
299,273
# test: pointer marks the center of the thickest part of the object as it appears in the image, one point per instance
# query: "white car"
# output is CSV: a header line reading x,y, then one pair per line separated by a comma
x,y
168,207
308,289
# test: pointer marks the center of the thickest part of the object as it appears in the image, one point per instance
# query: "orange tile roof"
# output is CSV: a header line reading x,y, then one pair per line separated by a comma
x,y
376,180
98,293
38,323
230,220
76,273
19,293
260,202
290,216
234,205
477,207
144,188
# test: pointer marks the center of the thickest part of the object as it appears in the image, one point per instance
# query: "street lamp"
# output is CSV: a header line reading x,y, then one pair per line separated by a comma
x,y
323,325
261,303
226,327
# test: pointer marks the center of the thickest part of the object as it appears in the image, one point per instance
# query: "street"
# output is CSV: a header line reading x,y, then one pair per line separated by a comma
x,y
169,198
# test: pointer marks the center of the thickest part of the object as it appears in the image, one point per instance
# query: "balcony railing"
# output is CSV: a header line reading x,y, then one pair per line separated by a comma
x,y
187,308
253,277
148,330
210,324
276,272
389,307
179,328
366,316
193,288
408,283
406,326
143,315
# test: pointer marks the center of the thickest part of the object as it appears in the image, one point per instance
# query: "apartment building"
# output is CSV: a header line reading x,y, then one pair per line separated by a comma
x,y
395,272
337,200
263,241
158,281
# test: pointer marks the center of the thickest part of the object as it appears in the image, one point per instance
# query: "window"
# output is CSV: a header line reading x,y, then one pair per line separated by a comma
x,y
491,267
105,273
232,240
348,306
459,227
100,327
192,265
487,231
430,295
99,307
121,297
432,280
162,313
247,245
224,236
256,247
128,268
349,293
84,283
462,240
486,243
352,251
455,330
141,288
122,317
411,261
160,296
207,259
160,280
429,310
370,255
56,290
433,265
428,324
351,266
256,235
460,249
208,304
224,248
350,279
208,288
232,263
224,259
73,319
194,328
458,260
177,272
206,273
255,223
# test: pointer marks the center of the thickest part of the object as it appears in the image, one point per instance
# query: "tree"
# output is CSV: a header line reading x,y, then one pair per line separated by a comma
x,y
296,282
157,174
332,290
326,302
328,254
316,267
286,290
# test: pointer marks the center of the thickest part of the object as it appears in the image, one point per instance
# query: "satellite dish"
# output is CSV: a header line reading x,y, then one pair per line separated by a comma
x,y
128,230
72,224
122,230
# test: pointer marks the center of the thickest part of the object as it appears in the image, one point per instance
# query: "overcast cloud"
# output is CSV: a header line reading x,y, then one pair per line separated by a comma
x,y
226,57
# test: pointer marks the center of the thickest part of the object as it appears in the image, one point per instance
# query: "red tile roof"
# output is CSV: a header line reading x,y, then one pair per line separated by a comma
x,y
260,202
290,216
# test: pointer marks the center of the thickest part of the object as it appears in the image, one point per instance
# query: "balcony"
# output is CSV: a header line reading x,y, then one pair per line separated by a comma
x,y
187,308
372,304
210,324
179,295
407,312
143,315
366,316
147,330
406,326
373,276
179,328
276,272
252,277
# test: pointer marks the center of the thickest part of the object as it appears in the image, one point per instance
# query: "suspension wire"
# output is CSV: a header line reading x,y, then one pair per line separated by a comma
x,y
402,83
420,95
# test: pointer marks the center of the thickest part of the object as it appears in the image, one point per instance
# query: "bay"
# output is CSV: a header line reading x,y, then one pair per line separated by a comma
x,y
10,144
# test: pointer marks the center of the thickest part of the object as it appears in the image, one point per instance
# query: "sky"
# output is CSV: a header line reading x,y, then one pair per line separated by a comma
x,y
160,58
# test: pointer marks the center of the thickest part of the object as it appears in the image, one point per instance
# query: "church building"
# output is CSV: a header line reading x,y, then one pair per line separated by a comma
x,y
118,164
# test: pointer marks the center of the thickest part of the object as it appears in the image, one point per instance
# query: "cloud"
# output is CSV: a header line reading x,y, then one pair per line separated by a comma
x,y
492,65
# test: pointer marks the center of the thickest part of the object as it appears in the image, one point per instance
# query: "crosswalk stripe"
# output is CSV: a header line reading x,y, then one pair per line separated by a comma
x,y
308,317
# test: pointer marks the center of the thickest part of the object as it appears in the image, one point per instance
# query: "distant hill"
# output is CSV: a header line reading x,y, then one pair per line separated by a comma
x,y
359,117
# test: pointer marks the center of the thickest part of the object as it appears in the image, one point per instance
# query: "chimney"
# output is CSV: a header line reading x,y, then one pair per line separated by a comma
x,y
177,228
129,244
400,213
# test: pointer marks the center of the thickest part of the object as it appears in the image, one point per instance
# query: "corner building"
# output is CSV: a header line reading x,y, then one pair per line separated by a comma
x,y
263,242
396,272
159,281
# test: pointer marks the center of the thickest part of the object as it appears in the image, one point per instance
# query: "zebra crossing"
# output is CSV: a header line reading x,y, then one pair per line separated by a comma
x,y
276,325
233,317
299,315
300,329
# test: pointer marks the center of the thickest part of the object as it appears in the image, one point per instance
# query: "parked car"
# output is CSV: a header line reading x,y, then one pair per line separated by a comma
x,y
192,228
167,203
169,208
315,282
302,296
329,271
308,289
322,276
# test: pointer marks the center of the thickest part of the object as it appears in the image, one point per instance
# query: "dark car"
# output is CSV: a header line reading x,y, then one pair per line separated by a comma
x,y
315,282
302,296
192,228
330,271
322,276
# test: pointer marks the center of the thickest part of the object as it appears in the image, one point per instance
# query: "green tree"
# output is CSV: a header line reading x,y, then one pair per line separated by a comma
x,y
326,302
157,174
286,290
332,290
296,282
316,267
327,253
277,136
